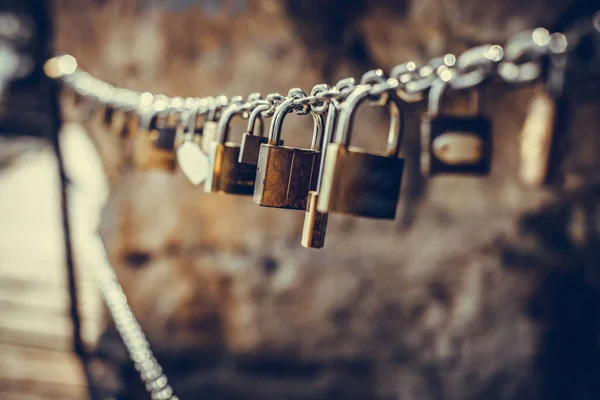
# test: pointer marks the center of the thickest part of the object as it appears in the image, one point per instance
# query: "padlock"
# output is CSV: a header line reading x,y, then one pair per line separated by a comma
x,y
192,161
250,145
154,141
285,175
453,144
118,124
226,174
315,222
211,126
358,183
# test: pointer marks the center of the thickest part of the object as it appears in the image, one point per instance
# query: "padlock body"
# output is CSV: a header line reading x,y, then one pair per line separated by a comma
x,y
284,176
250,147
151,149
455,145
358,183
226,175
315,224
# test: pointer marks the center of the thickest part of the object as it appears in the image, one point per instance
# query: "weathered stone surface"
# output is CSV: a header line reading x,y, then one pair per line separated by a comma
x,y
481,289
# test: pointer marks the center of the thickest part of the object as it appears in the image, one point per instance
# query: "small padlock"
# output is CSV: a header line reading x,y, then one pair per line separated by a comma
x,y
358,183
250,145
192,161
211,126
154,142
226,174
115,120
285,175
315,222
454,144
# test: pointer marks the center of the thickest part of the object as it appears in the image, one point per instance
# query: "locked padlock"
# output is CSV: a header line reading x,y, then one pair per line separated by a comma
x,y
358,183
154,143
211,124
452,144
315,222
285,175
115,121
250,145
192,161
226,174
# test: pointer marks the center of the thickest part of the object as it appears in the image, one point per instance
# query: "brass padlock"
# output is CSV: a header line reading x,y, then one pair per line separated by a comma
x,y
315,222
153,143
356,182
250,145
192,161
452,144
226,174
285,175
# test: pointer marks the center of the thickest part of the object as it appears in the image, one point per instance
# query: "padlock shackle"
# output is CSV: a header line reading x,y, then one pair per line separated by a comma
x,y
254,115
348,110
330,124
226,116
277,123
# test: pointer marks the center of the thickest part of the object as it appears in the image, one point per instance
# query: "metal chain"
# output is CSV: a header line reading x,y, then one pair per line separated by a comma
x,y
151,373
518,62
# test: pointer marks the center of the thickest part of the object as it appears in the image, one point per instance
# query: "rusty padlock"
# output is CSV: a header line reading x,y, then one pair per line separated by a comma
x,y
452,144
154,143
226,174
284,174
358,183
315,222
250,145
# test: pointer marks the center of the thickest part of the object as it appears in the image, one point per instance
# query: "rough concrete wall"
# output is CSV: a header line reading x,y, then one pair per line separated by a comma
x,y
481,288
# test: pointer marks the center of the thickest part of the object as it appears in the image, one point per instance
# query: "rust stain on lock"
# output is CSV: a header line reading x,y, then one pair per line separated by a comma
x,y
456,148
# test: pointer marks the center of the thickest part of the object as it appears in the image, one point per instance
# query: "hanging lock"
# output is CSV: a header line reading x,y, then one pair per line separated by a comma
x,y
211,125
154,143
115,121
192,161
358,183
226,174
453,144
315,222
250,145
284,174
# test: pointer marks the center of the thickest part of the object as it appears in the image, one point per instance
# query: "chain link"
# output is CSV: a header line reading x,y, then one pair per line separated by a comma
x,y
150,371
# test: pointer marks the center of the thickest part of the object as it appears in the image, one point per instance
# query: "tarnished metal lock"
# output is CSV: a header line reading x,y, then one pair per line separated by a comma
x,y
250,145
154,144
116,121
358,183
226,174
210,129
285,175
192,161
453,144
315,222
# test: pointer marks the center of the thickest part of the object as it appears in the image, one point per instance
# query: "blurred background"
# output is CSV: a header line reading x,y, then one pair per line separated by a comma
x,y
482,288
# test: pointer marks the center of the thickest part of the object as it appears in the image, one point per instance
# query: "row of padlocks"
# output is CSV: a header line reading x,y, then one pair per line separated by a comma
x,y
332,176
